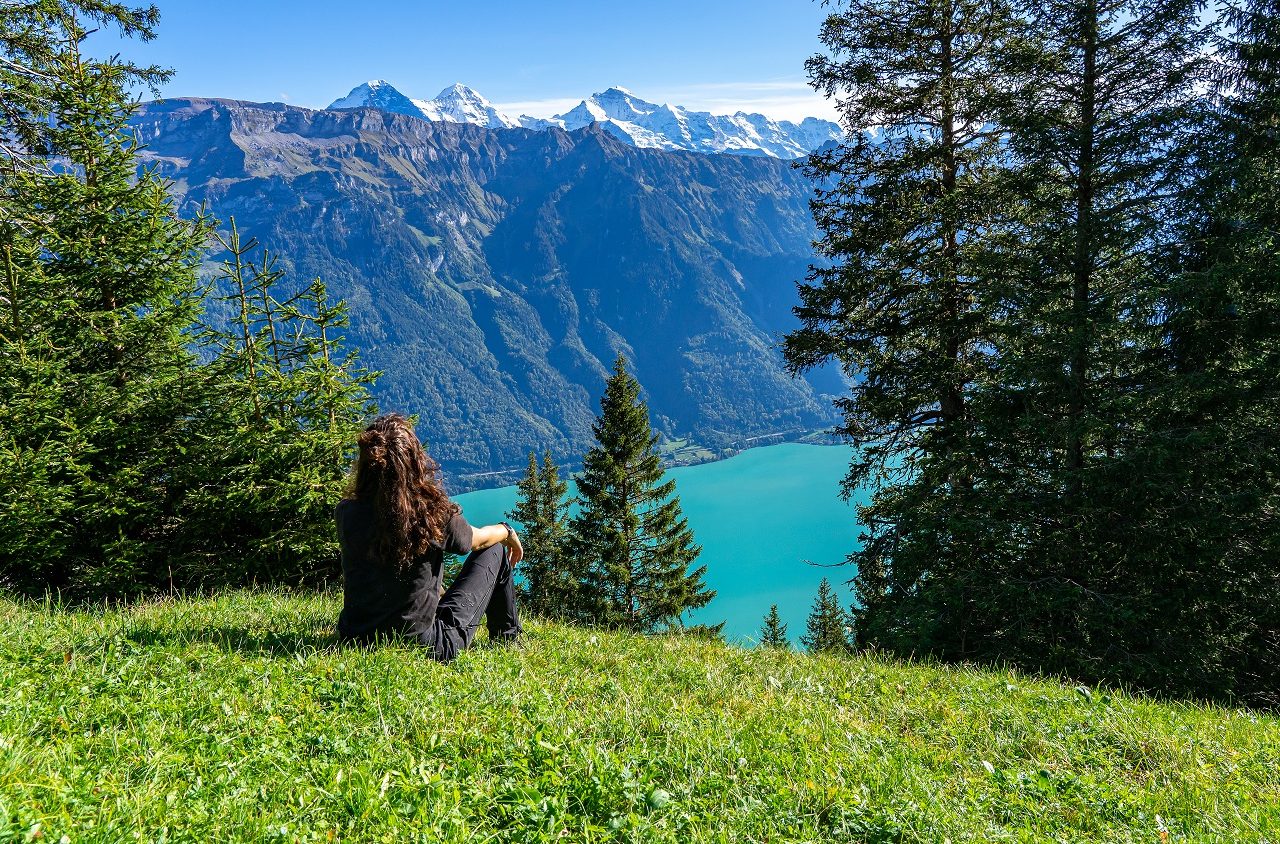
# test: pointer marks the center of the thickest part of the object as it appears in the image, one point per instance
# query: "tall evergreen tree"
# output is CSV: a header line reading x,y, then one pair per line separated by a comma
x,y
542,511
1212,491
906,210
827,628
1099,123
101,284
128,460
1253,112
629,534
773,633
280,405
1033,526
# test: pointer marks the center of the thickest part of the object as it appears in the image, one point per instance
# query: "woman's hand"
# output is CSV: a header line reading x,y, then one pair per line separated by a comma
x,y
517,550
490,535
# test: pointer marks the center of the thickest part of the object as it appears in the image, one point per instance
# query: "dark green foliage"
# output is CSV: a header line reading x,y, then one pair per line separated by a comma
x,y
907,215
1096,495
1250,258
827,629
1216,458
130,461
282,406
1075,557
631,548
100,284
710,632
542,512
773,633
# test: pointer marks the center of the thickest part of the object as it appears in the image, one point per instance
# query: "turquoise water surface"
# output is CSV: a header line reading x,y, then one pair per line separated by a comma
x,y
769,520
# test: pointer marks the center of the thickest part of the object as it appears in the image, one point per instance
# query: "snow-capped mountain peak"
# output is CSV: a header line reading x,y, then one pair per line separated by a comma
x,y
376,93
455,104
622,114
621,104
460,104
584,113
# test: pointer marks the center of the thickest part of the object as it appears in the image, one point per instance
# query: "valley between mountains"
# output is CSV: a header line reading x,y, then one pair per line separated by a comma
x,y
494,274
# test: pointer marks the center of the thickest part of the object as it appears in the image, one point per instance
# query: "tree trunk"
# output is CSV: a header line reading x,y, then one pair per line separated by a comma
x,y
1082,275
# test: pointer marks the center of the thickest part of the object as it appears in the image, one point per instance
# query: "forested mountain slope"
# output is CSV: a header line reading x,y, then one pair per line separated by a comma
x,y
493,275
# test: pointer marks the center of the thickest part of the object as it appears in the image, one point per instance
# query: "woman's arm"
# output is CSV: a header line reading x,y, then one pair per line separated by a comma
x,y
490,535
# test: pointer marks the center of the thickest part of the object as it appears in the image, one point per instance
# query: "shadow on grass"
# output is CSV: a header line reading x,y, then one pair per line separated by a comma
x,y
239,640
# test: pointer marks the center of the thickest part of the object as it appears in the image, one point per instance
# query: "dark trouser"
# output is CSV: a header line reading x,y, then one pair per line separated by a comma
x,y
483,587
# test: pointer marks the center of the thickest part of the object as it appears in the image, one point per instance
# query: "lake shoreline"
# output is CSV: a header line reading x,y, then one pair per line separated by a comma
x,y
771,525
675,456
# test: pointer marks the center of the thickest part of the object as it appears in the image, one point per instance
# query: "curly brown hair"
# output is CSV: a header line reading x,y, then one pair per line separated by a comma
x,y
394,472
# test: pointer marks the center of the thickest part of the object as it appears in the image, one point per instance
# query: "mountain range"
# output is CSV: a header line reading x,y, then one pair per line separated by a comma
x,y
624,115
494,275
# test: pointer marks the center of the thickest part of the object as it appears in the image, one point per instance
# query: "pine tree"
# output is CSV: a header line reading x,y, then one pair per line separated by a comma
x,y
542,512
101,284
907,209
630,534
1211,492
1251,259
128,460
827,629
1052,521
773,633
1099,122
281,405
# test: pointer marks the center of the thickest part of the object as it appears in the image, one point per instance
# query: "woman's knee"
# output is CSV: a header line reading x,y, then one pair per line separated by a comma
x,y
494,556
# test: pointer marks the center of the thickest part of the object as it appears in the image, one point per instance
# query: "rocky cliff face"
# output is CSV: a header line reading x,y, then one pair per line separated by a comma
x,y
493,275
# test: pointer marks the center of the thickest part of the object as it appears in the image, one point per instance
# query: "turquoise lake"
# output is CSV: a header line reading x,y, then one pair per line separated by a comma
x,y
770,522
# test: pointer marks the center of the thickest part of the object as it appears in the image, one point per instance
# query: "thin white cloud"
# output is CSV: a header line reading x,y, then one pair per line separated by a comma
x,y
781,99
539,108
795,107
769,85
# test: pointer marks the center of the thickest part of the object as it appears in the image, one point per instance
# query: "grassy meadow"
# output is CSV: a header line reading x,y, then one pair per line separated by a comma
x,y
238,718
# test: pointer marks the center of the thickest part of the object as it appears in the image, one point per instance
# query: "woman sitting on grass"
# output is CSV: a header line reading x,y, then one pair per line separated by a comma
x,y
395,526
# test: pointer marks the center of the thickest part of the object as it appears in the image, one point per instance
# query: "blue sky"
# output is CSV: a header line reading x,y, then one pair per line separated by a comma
x,y
537,57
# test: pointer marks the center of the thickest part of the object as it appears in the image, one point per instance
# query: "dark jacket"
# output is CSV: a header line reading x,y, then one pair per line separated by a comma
x,y
377,598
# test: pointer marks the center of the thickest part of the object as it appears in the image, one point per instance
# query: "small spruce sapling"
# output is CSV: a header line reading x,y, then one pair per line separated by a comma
x,y
827,628
542,513
773,634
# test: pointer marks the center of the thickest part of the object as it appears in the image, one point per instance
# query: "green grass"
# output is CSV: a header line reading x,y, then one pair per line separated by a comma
x,y
236,718
684,452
